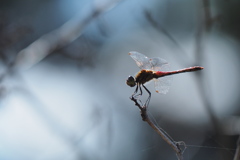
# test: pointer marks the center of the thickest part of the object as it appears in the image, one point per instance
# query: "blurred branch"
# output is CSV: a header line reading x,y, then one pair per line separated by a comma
x,y
207,14
231,126
60,37
161,29
204,25
175,145
11,33
237,153
209,19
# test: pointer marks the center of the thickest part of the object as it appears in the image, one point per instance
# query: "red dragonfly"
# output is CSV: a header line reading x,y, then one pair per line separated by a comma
x,y
153,69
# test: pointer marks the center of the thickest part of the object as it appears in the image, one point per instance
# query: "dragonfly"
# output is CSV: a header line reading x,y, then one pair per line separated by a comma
x,y
153,69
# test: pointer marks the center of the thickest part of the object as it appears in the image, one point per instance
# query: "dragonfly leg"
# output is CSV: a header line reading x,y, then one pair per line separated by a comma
x,y
140,90
140,94
135,95
149,97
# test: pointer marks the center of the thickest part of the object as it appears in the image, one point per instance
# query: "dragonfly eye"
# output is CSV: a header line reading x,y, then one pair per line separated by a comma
x,y
131,81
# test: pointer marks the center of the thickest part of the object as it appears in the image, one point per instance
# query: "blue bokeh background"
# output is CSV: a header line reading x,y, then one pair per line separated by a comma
x,y
72,103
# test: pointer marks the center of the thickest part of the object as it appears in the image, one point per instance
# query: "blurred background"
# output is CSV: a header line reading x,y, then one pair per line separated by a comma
x,y
63,66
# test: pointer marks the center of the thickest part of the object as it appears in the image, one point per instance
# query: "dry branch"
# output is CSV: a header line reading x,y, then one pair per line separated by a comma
x,y
175,145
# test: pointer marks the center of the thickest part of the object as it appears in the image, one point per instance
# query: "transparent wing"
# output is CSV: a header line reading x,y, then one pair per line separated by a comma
x,y
159,64
163,84
143,62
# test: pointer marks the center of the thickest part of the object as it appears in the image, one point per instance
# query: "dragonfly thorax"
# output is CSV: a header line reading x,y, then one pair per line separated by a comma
x,y
144,76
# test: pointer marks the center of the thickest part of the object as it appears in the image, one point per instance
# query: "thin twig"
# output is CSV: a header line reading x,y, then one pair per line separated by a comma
x,y
175,145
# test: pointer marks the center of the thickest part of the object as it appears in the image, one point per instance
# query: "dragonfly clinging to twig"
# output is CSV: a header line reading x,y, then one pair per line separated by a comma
x,y
152,69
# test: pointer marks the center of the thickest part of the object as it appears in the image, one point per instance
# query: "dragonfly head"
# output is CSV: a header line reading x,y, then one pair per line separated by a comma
x,y
131,81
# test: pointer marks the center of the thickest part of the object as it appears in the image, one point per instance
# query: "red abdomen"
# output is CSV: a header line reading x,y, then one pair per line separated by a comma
x,y
190,69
